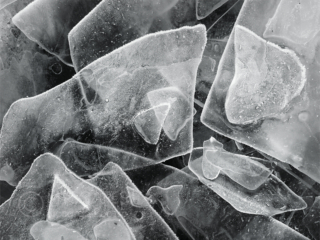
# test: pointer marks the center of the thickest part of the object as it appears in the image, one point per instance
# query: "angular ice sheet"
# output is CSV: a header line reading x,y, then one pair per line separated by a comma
x,y
271,198
205,7
49,191
98,105
48,22
87,159
134,207
242,169
282,118
111,25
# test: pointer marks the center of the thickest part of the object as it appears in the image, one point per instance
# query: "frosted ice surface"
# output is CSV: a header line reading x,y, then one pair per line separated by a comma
x,y
48,22
179,113
265,93
149,122
269,228
134,207
168,197
59,196
45,230
102,100
271,198
206,7
111,25
295,21
240,168
87,159
266,79
112,229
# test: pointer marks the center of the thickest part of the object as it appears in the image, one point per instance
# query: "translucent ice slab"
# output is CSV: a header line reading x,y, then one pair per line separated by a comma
x,y
134,207
244,170
111,25
49,191
265,91
205,7
100,103
87,159
271,198
48,22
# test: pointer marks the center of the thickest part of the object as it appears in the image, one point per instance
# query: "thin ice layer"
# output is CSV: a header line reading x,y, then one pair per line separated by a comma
x,y
206,7
266,79
134,207
98,104
240,168
48,22
111,25
87,159
271,198
294,21
56,197
45,230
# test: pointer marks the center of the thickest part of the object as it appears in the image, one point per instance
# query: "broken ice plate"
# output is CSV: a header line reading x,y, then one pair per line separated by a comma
x,y
265,93
99,104
271,198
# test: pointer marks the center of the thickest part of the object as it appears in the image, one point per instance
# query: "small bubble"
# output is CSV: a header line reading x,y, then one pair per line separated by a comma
x,y
303,116
217,48
56,68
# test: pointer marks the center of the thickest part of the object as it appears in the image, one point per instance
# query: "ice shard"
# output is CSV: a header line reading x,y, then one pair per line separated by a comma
x,y
98,105
206,7
48,22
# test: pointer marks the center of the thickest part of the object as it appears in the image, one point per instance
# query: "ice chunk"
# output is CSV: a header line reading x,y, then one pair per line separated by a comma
x,y
271,198
149,123
266,79
179,113
312,219
268,228
288,130
111,25
87,159
168,197
98,104
48,22
242,169
205,7
61,196
112,229
134,207
45,230
295,21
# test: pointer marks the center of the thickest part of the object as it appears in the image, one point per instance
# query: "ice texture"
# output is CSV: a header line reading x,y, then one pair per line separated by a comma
x,y
266,79
4,3
45,230
98,105
48,22
111,25
206,7
86,159
134,207
312,219
242,169
267,97
271,198
60,197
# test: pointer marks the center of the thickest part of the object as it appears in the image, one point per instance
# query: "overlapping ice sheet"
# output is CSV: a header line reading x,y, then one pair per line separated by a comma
x,y
51,199
265,93
48,22
111,25
271,198
87,159
134,207
100,103
206,7
242,169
